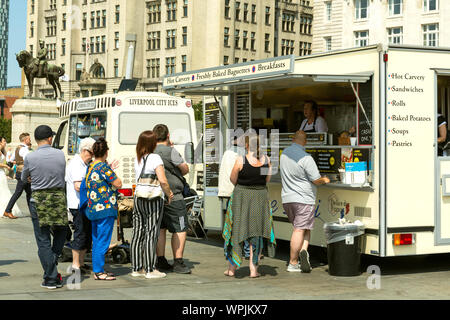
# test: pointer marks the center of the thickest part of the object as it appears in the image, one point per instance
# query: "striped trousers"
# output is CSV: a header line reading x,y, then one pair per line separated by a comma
x,y
147,217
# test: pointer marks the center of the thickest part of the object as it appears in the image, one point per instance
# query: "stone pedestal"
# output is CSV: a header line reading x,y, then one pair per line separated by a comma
x,y
27,114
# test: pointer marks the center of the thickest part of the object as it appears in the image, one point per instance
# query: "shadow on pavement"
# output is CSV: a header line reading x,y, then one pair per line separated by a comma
x,y
5,262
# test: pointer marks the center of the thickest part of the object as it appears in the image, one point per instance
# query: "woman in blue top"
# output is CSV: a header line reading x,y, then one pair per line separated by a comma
x,y
101,185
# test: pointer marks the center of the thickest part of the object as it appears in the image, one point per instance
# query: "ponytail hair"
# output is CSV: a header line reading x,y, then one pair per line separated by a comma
x,y
100,148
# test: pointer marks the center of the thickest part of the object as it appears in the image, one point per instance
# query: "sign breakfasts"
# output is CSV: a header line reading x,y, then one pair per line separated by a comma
x,y
273,66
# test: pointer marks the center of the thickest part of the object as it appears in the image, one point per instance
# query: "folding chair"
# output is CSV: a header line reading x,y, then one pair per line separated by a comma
x,y
195,216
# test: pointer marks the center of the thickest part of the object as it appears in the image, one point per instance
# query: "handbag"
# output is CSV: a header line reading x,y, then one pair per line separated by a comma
x,y
148,185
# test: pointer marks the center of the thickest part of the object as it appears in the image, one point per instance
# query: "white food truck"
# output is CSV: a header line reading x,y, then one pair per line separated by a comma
x,y
390,177
120,118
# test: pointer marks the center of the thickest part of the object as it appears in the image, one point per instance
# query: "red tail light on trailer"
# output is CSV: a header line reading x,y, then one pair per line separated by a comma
x,y
401,239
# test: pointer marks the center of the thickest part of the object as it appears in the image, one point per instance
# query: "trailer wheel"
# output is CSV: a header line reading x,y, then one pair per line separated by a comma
x,y
119,255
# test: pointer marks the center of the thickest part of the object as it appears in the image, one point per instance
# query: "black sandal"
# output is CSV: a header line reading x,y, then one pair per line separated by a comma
x,y
108,276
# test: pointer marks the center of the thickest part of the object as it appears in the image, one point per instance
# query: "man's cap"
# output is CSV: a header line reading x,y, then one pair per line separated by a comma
x,y
87,144
43,132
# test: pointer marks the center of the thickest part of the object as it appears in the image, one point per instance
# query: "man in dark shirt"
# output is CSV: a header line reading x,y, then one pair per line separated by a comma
x,y
47,167
175,218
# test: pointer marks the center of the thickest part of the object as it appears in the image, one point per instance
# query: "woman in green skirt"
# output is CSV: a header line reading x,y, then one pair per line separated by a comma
x,y
249,216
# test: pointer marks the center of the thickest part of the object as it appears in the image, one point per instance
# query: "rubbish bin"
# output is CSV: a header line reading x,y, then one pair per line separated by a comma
x,y
344,248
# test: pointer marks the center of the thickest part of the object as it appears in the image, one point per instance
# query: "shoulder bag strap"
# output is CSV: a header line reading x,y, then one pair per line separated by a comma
x,y
143,167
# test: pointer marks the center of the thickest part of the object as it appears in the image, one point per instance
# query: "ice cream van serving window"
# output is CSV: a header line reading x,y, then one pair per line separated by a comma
x,y
85,125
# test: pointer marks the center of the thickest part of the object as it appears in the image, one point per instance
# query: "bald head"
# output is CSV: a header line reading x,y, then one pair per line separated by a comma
x,y
300,137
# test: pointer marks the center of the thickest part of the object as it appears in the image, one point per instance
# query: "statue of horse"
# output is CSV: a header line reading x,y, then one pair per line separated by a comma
x,y
31,69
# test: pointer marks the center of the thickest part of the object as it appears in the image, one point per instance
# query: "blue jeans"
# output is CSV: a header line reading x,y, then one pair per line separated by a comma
x,y
102,230
48,252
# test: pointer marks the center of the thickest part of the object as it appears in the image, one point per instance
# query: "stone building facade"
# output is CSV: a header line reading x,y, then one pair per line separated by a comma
x,y
91,38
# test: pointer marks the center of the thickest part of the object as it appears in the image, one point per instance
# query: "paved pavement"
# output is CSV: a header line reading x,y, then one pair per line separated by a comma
x,y
425,277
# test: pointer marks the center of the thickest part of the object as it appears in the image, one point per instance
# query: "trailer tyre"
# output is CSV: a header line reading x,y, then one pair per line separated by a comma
x,y
119,255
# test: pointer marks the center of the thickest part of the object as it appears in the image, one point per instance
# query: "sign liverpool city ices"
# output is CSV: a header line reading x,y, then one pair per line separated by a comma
x,y
222,74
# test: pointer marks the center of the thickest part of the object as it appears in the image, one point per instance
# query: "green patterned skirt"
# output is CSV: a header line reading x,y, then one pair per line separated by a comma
x,y
248,218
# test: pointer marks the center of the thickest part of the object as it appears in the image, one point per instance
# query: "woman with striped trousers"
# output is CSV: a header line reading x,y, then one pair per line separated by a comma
x,y
147,213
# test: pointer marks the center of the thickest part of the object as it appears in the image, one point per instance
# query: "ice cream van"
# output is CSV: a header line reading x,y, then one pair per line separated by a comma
x,y
120,118
390,95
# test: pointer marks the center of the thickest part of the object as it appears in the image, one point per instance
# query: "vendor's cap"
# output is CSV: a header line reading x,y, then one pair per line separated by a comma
x,y
87,144
43,132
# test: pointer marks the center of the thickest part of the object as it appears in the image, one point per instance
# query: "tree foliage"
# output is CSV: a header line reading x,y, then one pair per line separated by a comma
x,y
5,129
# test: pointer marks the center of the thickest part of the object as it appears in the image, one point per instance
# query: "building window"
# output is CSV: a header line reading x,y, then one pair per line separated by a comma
x,y
244,40
361,9
116,68
31,50
305,48
78,70
305,24
184,36
116,40
91,47
103,44
154,12
171,10
430,5
117,15
252,41
183,63
51,51
395,7
227,9
287,47
64,21
225,60
236,38
170,65
267,20
267,42
185,8
395,35
83,45
430,34
327,10
153,68
327,43
245,12
154,40
104,18
361,38
236,60
97,45
253,13
237,11
92,19
31,29
63,46
288,20
98,19
52,4
32,6
51,27
84,20
171,35
226,37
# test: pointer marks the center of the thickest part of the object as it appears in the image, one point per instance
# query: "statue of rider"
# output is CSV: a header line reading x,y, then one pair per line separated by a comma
x,y
41,58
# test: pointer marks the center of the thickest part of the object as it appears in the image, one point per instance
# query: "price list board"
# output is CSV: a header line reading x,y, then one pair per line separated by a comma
x,y
212,129
327,160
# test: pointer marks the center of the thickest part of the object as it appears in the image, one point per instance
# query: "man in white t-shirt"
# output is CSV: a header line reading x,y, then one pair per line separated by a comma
x,y
75,173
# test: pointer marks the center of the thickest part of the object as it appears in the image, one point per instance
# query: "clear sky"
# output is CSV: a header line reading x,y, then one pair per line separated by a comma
x,y
16,39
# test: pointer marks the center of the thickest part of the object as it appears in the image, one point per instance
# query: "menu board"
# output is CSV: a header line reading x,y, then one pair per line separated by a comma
x,y
327,160
365,125
212,126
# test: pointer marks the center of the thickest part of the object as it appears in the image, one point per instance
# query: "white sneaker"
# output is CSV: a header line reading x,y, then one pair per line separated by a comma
x,y
294,268
140,273
155,274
